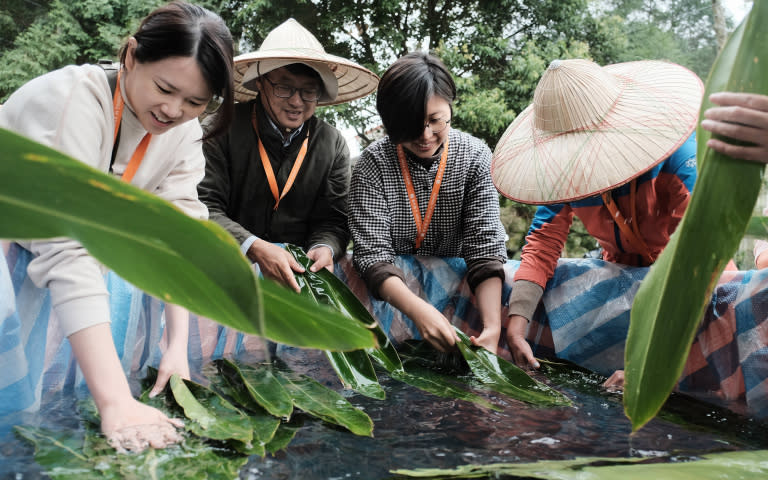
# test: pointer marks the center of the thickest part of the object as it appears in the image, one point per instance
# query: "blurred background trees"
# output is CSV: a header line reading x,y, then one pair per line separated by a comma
x,y
497,49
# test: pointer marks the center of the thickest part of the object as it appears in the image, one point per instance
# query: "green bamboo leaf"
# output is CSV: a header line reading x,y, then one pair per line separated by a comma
x,y
324,403
356,372
353,368
505,377
212,416
150,243
440,385
62,450
671,300
742,464
283,437
251,384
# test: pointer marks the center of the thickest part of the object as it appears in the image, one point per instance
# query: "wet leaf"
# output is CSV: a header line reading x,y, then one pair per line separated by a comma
x,y
283,436
671,299
324,403
745,464
504,377
59,455
212,416
256,384
353,368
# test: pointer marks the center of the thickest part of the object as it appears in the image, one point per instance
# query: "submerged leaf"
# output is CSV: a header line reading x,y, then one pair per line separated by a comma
x,y
258,385
213,417
505,377
324,403
670,302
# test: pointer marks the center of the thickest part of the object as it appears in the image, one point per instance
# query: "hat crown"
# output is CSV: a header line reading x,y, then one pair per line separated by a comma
x,y
291,35
573,95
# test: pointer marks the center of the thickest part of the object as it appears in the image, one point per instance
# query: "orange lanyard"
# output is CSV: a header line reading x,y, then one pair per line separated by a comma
x,y
268,166
633,234
138,154
422,225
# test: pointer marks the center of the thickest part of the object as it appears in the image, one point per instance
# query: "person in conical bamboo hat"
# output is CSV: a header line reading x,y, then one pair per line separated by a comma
x,y
612,145
281,174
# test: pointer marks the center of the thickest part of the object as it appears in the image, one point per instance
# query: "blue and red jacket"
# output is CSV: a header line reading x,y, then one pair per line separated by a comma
x,y
661,198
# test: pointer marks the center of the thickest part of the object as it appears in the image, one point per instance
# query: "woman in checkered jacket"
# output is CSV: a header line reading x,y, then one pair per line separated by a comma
x,y
426,189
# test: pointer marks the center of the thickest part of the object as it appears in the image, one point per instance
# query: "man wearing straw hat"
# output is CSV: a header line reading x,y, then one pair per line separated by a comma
x,y
614,146
281,175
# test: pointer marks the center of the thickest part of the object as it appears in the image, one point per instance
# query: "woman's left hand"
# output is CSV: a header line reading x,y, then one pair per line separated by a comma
x,y
739,116
174,361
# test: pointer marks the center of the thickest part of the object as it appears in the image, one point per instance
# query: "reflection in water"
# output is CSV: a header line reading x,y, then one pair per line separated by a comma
x,y
413,429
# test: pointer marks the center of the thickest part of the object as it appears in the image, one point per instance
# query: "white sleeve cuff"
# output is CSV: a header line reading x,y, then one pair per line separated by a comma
x,y
79,313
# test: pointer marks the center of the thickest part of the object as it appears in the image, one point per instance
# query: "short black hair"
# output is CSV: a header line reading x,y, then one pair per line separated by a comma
x,y
404,90
180,29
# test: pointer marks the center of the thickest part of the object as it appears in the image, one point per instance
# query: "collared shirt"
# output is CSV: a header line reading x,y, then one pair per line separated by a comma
x,y
466,221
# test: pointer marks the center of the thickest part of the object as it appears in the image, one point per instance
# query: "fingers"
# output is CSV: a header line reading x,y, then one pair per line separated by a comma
x,y
748,100
160,383
615,383
136,438
750,153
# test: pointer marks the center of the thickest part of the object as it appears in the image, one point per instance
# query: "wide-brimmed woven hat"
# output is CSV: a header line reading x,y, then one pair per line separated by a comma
x,y
592,128
344,80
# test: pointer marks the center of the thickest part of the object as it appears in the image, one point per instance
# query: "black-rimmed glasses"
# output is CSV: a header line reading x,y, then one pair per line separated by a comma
x,y
286,91
213,104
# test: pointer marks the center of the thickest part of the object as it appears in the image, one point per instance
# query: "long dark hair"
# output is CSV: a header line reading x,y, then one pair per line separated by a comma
x,y
405,89
180,29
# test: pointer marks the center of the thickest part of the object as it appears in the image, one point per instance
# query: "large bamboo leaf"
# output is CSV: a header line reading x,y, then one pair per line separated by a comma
x,y
671,300
505,377
747,464
150,243
325,404
353,368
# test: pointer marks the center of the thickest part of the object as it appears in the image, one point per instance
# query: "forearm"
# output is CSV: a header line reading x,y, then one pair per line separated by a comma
x,y
395,292
488,299
94,350
177,324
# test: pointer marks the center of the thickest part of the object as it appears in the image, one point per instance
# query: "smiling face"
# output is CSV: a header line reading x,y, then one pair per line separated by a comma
x,y
289,112
165,93
426,145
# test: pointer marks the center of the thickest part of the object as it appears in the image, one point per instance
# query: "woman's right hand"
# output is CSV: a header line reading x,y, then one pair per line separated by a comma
x,y
132,426
518,345
435,328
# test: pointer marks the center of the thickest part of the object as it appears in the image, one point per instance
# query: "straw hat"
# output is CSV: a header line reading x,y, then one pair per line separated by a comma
x,y
289,43
591,129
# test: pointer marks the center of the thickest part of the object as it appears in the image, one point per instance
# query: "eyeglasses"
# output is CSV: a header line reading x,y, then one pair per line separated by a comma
x,y
437,125
213,104
287,91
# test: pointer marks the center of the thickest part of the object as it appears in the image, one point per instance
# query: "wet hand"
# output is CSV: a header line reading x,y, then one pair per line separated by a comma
x,y
133,426
436,329
521,351
488,339
615,383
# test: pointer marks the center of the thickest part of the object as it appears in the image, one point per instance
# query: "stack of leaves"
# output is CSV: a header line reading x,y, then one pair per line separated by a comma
x,y
356,371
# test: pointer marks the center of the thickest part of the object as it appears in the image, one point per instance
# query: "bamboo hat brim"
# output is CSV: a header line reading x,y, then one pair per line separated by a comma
x,y
591,129
344,80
